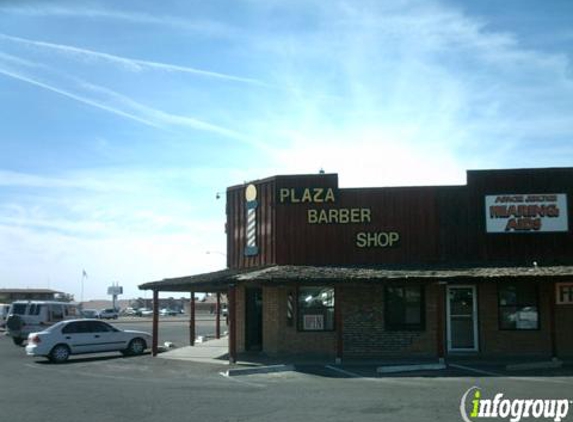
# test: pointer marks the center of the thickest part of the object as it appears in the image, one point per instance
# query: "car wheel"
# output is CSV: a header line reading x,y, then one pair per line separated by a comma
x,y
18,341
136,347
60,353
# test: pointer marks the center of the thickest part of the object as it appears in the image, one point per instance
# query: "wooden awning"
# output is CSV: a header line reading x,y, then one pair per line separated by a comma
x,y
219,281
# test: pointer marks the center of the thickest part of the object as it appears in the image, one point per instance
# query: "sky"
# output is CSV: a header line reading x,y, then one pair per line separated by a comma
x,y
120,121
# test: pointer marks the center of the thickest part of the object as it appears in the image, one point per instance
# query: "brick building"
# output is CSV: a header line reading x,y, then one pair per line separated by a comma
x,y
484,269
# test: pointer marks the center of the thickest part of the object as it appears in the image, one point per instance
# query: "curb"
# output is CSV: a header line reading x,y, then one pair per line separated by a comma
x,y
535,365
410,368
258,370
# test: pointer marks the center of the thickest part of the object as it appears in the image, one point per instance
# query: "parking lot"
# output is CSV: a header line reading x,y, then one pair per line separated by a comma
x,y
111,387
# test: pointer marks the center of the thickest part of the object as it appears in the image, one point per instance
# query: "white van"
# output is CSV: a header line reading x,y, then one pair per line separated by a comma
x,y
25,317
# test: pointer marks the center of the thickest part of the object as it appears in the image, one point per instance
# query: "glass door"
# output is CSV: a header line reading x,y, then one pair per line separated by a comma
x,y
462,319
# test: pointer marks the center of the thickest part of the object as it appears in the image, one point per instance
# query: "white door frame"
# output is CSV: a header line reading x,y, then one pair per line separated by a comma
x,y
474,317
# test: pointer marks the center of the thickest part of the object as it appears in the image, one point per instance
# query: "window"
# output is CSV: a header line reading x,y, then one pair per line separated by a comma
x,y
79,327
34,309
518,307
316,308
57,312
100,327
19,309
70,310
404,308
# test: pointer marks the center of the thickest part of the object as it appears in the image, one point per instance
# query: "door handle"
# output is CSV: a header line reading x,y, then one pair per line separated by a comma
x,y
96,336
68,338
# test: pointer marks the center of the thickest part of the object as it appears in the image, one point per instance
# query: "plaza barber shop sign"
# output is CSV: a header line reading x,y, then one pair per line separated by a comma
x,y
318,214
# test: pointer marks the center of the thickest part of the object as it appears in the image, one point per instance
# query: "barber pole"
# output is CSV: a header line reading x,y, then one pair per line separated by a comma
x,y
252,204
290,309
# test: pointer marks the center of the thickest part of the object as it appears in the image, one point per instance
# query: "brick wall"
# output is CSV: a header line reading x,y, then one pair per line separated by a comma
x,y
564,328
281,339
365,334
363,322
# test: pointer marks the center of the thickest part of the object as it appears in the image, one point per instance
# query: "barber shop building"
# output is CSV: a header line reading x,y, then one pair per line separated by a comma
x,y
484,269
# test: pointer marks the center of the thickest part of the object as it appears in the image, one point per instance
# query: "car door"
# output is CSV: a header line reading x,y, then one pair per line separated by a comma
x,y
78,336
106,337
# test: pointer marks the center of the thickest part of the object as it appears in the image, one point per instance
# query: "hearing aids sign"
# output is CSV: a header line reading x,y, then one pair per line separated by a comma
x,y
529,213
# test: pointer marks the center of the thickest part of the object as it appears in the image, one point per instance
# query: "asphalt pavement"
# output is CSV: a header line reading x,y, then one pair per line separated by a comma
x,y
109,387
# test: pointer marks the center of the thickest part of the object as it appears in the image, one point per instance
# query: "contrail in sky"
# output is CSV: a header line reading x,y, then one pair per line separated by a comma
x,y
128,63
78,98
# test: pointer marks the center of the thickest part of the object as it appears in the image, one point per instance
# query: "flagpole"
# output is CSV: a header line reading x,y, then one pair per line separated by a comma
x,y
84,275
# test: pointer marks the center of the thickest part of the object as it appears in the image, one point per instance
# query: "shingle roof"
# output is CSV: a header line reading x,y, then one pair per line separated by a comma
x,y
219,280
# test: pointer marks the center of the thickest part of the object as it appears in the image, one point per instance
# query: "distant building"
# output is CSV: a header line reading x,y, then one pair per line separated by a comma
x,y
10,295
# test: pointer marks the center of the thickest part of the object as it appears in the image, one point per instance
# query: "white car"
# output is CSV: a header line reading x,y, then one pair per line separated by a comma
x,y
145,312
79,336
109,313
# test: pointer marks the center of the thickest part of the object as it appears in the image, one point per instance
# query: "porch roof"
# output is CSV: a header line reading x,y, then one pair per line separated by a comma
x,y
219,280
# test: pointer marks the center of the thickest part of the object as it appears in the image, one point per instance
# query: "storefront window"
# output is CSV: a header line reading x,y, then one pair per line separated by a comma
x,y
518,307
404,308
316,308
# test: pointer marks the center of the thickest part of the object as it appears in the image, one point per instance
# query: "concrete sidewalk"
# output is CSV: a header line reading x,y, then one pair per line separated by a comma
x,y
214,351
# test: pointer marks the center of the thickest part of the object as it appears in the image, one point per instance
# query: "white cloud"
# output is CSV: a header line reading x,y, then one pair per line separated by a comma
x,y
385,94
425,86
131,260
373,157
202,27
57,226
27,180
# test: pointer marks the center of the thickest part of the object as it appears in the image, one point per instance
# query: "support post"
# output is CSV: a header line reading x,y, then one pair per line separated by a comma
x,y
552,329
218,317
440,326
339,324
232,316
155,323
192,320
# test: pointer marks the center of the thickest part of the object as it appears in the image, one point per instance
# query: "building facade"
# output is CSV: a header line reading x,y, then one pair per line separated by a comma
x,y
11,295
484,269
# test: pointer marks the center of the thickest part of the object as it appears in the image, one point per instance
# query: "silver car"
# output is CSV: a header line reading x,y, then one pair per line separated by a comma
x,y
79,336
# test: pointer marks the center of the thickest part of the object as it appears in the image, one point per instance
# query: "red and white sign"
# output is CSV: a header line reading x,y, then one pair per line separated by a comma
x,y
313,322
527,213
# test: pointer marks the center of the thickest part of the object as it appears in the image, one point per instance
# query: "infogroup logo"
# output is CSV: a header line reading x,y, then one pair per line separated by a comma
x,y
474,407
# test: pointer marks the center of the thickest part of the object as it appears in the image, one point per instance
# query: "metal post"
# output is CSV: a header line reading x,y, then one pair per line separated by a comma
x,y
440,346
232,316
218,317
552,330
155,324
192,320
339,324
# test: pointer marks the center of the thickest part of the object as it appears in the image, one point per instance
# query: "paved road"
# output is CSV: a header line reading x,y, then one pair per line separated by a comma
x,y
173,329
112,388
